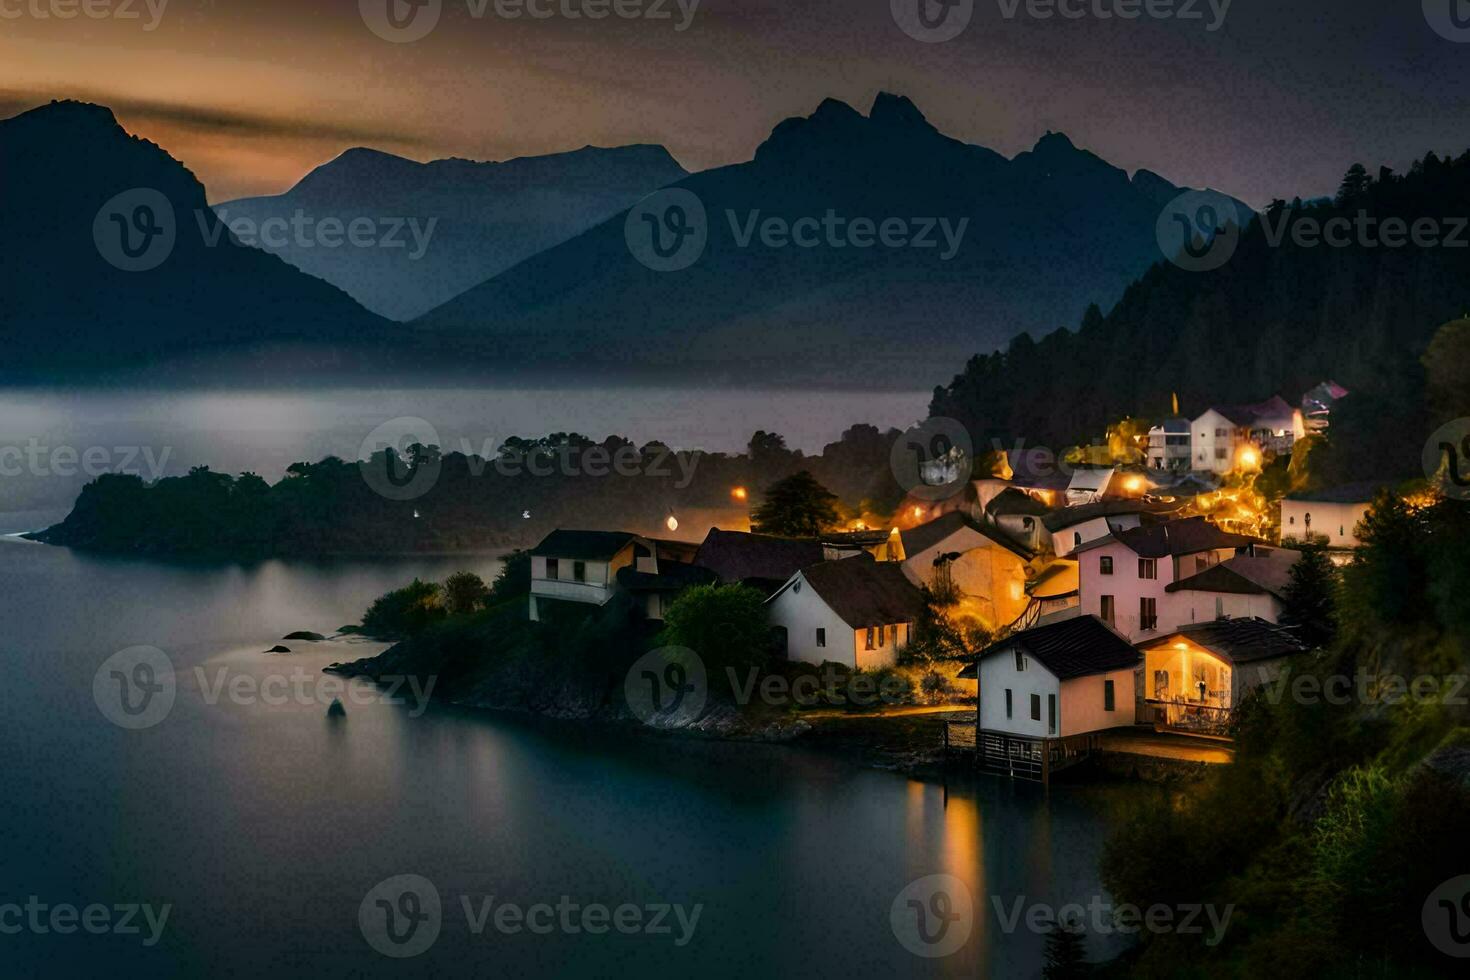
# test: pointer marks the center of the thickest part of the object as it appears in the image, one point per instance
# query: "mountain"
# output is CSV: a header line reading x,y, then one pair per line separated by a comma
x,y
1283,312
1043,235
462,221
114,258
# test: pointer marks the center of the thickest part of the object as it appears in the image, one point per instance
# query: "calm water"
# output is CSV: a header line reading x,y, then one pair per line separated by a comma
x,y
264,826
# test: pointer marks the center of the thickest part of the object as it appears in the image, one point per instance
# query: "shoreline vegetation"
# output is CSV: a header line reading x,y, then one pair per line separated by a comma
x,y
479,644
460,504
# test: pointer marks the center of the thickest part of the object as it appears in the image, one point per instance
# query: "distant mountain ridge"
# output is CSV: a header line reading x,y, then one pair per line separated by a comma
x,y
79,193
473,219
1046,233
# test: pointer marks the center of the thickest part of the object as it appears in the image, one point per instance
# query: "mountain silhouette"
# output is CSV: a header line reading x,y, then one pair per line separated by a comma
x,y
1049,232
459,222
116,259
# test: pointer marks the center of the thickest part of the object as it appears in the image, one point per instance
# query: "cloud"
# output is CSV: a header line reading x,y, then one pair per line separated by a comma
x,y
214,120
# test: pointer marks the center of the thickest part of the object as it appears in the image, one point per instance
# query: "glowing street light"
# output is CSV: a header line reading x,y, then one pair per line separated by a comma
x,y
672,523
740,494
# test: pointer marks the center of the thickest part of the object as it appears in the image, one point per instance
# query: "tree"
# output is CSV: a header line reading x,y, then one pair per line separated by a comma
x,y
464,593
1448,371
1310,598
1354,184
514,580
1065,951
405,611
725,624
798,507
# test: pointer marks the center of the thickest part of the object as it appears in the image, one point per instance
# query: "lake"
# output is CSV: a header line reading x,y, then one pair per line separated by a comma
x,y
267,830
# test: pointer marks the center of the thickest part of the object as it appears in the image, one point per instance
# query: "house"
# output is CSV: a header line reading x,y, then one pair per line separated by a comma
x,y
763,561
1318,403
1072,527
1243,587
1123,575
1224,436
656,591
1054,595
1168,446
981,568
1333,514
880,545
1018,515
1195,677
1070,678
1089,484
582,566
1034,471
856,612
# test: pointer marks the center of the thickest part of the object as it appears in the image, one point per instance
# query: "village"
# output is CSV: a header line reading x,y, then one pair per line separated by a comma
x,y
1123,607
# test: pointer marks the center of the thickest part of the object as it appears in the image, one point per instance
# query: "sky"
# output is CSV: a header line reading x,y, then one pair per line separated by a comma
x,y
1258,98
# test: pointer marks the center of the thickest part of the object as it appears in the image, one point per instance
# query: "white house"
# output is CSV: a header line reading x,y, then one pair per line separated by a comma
x,y
1071,527
980,567
1168,446
590,567
1123,577
1333,514
1223,436
1243,587
1195,677
856,612
1069,678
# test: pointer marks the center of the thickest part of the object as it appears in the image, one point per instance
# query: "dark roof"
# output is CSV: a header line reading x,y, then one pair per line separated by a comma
x,y
1242,575
1067,516
864,592
1246,416
855,539
673,576
1012,501
583,545
677,550
1362,492
1036,469
1238,640
1070,648
925,536
1184,537
1176,424
736,556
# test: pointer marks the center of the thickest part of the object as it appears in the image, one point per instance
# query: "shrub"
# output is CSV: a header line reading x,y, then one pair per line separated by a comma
x,y
405,611
464,593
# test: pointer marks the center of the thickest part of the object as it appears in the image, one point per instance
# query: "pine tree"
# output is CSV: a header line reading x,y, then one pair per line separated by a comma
x,y
1309,600
1354,183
